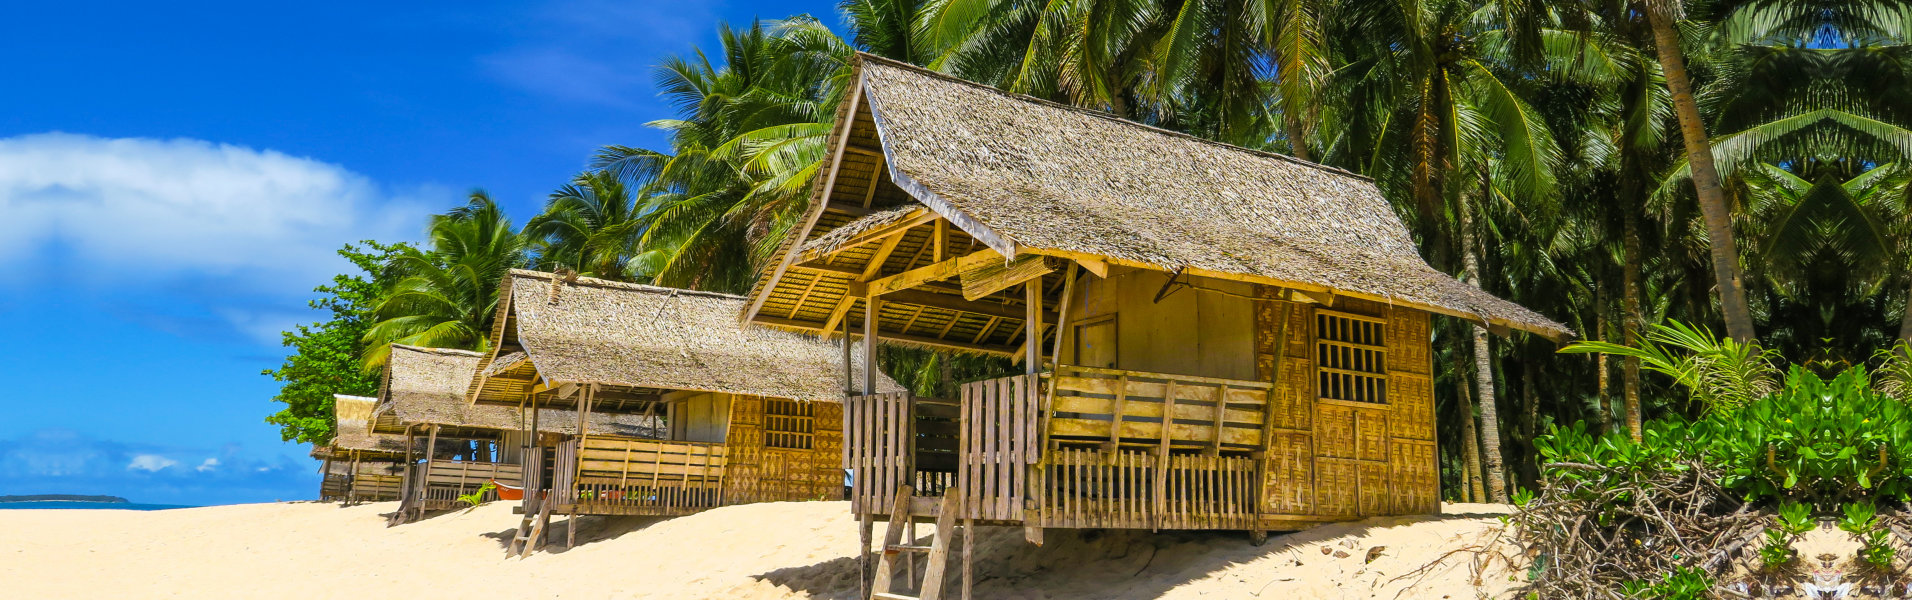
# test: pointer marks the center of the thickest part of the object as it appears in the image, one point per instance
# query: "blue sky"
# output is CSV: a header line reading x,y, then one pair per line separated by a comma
x,y
174,178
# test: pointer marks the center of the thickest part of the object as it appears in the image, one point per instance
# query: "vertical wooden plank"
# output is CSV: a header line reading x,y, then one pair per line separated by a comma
x,y
1221,409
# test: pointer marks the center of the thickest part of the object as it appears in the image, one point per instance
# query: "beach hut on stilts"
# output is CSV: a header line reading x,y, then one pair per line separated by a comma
x,y
459,447
1210,337
359,465
747,415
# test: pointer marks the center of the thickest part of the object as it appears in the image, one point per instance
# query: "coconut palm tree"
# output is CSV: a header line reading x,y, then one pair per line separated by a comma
x,y
591,225
446,297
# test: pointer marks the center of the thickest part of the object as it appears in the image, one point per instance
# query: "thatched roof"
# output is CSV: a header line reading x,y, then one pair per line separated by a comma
x,y
427,386
354,430
1024,176
641,337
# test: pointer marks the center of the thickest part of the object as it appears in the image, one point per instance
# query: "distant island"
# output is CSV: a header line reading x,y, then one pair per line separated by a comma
x,y
64,498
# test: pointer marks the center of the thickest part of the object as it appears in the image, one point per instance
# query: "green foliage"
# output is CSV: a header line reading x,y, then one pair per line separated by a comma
x,y
1875,542
325,357
1717,371
446,298
478,497
1794,520
1683,583
1815,441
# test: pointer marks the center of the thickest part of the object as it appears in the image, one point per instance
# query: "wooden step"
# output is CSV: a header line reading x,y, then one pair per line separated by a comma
x,y
890,596
895,548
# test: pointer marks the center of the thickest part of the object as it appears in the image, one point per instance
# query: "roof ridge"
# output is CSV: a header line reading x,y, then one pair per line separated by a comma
x,y
625,285
860,55
440,351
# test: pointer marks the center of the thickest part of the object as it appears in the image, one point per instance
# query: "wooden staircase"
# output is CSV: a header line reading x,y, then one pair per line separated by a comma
x,y
902,519
530,531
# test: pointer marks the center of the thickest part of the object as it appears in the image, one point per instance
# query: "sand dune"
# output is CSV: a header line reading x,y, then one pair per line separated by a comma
x,y
765,551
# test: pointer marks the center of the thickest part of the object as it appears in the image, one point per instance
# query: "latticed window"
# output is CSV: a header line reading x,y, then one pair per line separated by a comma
x,y
1350,357
789,424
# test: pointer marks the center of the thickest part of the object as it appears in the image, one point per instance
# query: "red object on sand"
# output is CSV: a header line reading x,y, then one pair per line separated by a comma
x,y
508,492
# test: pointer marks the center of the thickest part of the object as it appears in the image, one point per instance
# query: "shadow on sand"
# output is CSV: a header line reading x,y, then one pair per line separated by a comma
x,y
1094,563
591,529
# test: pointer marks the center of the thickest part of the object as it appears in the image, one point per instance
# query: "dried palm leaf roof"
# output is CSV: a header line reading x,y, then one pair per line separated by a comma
x,y
354,430
427,386
1021,175
592,331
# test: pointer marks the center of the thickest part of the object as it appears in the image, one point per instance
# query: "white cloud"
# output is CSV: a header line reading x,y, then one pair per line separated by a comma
x,y
146,208
150,462
208,465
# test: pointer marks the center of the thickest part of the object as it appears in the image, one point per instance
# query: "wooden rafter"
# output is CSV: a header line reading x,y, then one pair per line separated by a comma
x,y
934,272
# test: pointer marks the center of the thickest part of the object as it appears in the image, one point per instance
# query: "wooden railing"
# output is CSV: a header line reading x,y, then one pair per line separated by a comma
x,y
895,439
375,488
445,480
625,476
1127,408
1138,489
1000,440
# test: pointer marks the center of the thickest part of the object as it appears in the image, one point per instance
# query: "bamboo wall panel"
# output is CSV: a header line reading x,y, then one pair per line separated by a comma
x,y
1413,453
333,486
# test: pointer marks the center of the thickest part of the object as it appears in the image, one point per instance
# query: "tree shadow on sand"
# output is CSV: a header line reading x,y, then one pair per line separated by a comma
x,y
1101,563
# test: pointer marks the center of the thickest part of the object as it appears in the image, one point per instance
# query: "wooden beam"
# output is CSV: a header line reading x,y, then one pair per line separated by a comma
x,y
934,272
1099,267
812,327
988,309
822,268
1032,346
882,255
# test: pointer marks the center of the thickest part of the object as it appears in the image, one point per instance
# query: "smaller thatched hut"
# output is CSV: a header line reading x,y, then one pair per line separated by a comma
x,y
747,415
465,445
359,465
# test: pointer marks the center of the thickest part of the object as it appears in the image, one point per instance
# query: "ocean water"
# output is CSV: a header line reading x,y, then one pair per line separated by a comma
x,y
90,505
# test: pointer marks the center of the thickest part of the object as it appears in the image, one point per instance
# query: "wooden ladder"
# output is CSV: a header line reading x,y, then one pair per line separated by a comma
x,y
530,531
894,549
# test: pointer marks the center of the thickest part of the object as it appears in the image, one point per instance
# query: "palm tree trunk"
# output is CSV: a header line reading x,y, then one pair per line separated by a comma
x,y
1496,472
1706,183
1601,402
1905,322
1470,444
1632,321
1297,142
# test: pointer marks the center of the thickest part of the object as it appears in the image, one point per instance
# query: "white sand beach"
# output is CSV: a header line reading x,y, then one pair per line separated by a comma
x,y
763,551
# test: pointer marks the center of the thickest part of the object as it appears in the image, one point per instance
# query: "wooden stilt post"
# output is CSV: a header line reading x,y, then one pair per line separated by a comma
x,y
425,478
1032,367
969,553
584,419
864,528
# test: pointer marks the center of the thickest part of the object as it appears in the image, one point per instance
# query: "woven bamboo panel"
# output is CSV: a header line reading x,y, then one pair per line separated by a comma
x,y
1413,416
1334,432
1294,395
1373,490
1408,342
1336,485
1290,473
1415,478
1371,434
746,411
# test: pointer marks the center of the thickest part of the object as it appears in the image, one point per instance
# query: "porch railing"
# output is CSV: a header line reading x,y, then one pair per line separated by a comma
x,y
639,476
1104,448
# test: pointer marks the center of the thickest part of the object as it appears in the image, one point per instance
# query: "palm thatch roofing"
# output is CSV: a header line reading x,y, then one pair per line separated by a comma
x,y
915,151
426,386
640,342
354,429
